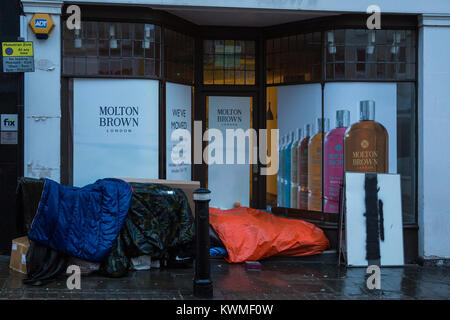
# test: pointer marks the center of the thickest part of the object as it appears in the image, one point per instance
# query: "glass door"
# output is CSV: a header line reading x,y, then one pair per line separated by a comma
x,y
230,138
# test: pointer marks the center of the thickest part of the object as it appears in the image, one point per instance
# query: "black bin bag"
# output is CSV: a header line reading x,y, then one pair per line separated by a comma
x,y
28,195
159,224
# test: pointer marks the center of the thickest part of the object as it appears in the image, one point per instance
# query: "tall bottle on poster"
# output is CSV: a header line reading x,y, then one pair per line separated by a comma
x,y
280,186
302,171
322,126
334,161
294,168
287,170
280,172
366,143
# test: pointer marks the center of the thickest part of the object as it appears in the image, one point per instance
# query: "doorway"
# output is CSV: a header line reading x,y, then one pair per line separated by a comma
x,y
230,136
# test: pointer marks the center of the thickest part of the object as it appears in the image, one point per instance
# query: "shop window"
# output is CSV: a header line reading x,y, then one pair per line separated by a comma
x,y
406,137
179,57
297,113
112,49
370,54
295,58
229,62
383,127
361,58
350,54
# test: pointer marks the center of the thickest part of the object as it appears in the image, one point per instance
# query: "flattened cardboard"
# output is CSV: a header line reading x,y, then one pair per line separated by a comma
x,y
188,187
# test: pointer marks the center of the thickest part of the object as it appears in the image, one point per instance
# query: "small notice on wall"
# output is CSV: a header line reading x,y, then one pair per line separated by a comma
x,y
8,137
18,56
9,122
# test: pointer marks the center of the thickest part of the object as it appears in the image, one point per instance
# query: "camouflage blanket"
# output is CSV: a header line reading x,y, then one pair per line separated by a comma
x,y
159,224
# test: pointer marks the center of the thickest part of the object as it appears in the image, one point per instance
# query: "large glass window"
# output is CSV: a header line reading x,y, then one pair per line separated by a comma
x,y
179,57
368,84
370,54
295,58
112,48
346,54
229,62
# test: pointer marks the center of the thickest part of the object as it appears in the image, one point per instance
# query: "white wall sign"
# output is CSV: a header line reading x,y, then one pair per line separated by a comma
x,y
115,129
178,116
229,183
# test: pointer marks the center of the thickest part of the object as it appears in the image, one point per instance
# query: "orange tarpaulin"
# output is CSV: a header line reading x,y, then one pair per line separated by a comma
x,y
250,234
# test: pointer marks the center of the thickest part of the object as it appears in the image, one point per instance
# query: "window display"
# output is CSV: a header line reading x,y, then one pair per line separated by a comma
x,y
287,170
321,127
363,138
334,161
302,172
366,143
294,170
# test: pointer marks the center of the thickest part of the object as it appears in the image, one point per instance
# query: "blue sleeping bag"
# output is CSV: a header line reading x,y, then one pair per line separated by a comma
x,y
81,222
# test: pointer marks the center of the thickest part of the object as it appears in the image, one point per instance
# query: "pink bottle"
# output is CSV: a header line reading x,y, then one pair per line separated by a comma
x,y
334,161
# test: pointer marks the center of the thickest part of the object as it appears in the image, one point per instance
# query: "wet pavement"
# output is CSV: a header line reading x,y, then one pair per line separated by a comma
x,y
279,279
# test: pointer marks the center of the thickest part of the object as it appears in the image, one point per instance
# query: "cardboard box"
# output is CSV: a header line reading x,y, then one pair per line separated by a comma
x,y
19,250
188,187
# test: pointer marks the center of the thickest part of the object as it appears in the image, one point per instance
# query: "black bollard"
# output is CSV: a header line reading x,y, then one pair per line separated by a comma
x,y
203,287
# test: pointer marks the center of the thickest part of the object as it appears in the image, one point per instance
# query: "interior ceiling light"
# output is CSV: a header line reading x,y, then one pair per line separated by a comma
x,y
112,39
371,40
397,39
78,43
147,35
331,46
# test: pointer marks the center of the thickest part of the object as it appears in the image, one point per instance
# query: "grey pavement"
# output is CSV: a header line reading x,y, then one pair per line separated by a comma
x,y
279,279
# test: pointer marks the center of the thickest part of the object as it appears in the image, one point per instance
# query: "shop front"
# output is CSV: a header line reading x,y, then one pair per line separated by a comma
x,y
132,77
128,83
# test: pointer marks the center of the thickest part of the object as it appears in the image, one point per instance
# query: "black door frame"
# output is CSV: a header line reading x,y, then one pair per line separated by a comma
x,y
200,172
256,91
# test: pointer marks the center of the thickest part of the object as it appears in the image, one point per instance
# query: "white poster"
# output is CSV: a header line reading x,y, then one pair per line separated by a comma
x,y
115,130
178,116
229,182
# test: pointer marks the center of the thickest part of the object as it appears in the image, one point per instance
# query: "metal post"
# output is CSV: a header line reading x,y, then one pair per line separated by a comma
x,y
203,287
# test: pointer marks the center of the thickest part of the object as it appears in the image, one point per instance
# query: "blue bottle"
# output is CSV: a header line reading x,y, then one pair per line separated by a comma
x,y
287,171
280,173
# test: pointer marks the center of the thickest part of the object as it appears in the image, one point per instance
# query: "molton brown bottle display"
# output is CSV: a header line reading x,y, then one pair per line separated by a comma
x,y
366,144
315,164
302,171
